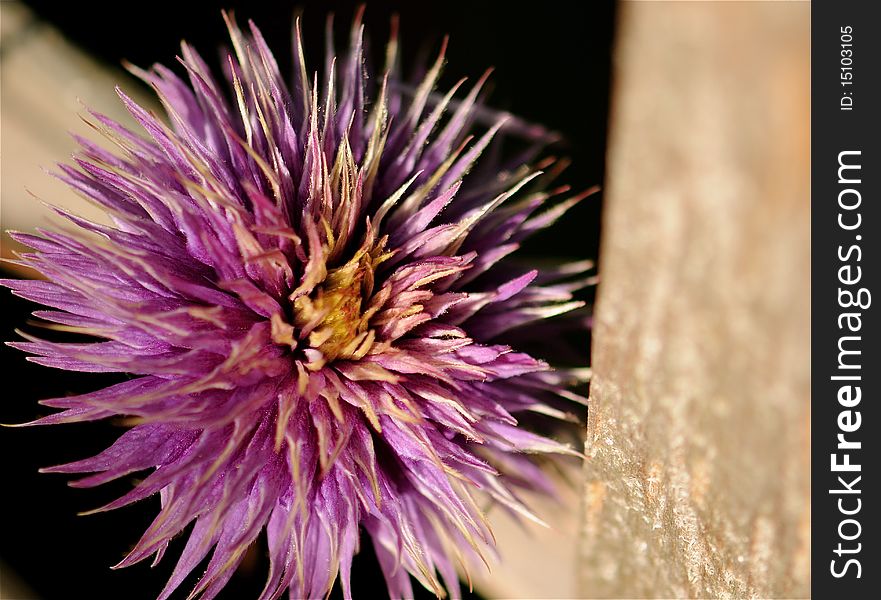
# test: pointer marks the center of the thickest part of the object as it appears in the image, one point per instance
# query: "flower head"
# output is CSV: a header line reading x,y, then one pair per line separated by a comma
x,y
314,296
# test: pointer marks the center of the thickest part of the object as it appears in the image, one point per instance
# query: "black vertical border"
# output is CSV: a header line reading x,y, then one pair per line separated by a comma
x,y
833,131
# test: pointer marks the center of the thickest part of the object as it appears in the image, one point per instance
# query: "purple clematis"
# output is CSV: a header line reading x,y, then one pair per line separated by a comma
x,y
314,296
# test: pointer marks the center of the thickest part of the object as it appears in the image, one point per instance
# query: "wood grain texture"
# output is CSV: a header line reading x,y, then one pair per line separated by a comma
x,y
698,477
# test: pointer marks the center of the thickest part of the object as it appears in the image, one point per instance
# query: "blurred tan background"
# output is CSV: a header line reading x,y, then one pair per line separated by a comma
x,y
47,83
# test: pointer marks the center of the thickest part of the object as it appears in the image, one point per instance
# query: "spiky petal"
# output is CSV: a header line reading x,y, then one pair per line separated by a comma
x,y
315,299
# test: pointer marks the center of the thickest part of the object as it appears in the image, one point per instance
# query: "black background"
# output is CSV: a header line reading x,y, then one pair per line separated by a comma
x,y
552,65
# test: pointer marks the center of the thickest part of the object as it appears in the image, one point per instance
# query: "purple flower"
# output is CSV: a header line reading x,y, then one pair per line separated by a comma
x,y
313,293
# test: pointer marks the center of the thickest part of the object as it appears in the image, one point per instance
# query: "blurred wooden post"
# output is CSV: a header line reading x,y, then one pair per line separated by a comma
x,y
698,481
47,84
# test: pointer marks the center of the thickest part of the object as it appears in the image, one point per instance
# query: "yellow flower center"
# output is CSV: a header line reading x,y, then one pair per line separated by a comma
x,y
341,329
334,318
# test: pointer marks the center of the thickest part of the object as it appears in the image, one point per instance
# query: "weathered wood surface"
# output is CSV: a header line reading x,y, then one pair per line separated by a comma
x,y
698,481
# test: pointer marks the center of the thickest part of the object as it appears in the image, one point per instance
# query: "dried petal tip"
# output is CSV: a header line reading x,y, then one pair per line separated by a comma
x,y
311,287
